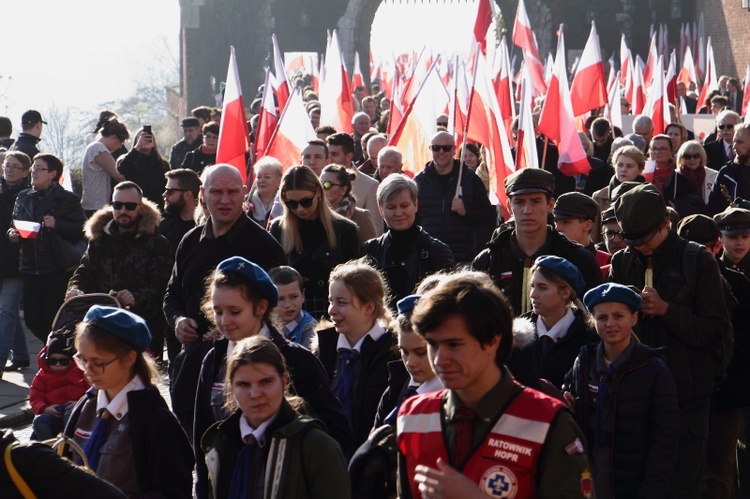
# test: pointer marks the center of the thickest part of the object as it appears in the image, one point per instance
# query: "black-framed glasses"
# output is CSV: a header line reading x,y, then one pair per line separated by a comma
x,y
118,205
170,190
728,126
438,148
691,156
611,235
327,184
63,361
96,369
39,169
641,240
660,149
304,202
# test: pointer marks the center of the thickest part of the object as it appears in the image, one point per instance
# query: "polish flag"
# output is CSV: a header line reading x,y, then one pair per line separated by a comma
x,y
415,130
27,230
283,87
638,93
523,36
625,61
589,90
612,111
357,79
650,70
234,142
712,82
657,106
746,95
504,91
688,72
397,111
670,82
649,169
548,65
293,132
485,15
336,106
556,120
459,108
268,119
526,155
315,74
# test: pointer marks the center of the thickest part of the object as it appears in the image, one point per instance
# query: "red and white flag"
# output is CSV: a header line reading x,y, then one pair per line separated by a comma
x,y
746,95
657,106
504,90
523,37
336,101
589,90
638,92
526,155
612,111
485,15
27,230
357,79
625,62
670,81
283,87
556,120
653,58
293,132
267,120
688,72
712,80
234,141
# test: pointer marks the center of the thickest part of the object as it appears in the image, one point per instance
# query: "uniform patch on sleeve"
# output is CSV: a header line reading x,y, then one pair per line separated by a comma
x,y
575,447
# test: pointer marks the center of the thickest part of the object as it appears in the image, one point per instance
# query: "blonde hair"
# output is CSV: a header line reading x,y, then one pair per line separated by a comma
x,y
366,283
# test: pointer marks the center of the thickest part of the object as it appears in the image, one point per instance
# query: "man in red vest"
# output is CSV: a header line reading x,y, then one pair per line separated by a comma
x,y
484,434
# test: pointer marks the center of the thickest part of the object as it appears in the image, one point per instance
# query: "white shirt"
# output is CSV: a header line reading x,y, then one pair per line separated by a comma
x,y
429,386
375,333
259,433
559,329
118,407
264,332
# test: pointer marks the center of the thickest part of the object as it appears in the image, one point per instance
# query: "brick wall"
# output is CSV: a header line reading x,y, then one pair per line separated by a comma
x,y
728,24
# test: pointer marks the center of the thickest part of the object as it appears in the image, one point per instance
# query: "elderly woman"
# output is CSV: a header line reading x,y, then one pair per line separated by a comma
x,y
337,184
405,254
691,159
260,199
674,186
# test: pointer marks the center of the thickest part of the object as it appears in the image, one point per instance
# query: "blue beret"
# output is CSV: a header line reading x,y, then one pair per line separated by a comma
x,y
563,268
609,292
126,325
253,273
407,303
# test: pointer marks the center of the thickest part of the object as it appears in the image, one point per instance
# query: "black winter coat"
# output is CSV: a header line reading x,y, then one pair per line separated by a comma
x,y
9,252
32,205
146,170
638,439
466,235
736,179
427,256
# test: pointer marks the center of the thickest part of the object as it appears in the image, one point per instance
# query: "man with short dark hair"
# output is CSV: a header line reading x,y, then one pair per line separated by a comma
x,y
734,94
601,136
6,128
191,139
322,132
31,124
485,434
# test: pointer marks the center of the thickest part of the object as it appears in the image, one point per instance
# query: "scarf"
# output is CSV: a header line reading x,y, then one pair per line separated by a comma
x,y
696,177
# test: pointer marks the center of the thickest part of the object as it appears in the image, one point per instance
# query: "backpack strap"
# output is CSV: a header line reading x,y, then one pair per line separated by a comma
x,y
16,477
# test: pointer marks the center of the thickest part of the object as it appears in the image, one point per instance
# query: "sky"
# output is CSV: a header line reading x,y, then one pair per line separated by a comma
x,y
80,53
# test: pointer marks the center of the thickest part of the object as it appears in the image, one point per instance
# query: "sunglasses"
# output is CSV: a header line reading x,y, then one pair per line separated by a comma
x,y
327,184
304,202
63,361
436,148
691,156
725,127
118,205
442,123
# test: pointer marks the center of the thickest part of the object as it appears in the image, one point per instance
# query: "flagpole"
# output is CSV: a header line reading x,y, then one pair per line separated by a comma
x,y
544,151
466,125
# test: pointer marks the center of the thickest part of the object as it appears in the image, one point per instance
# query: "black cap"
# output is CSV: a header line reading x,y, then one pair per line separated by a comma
x,y
190,122
733,221
528,180
575,205
698,228
608,215
31,117
614,194
640,211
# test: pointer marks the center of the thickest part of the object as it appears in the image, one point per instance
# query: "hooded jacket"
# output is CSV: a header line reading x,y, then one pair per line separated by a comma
x,y
55,387
138,261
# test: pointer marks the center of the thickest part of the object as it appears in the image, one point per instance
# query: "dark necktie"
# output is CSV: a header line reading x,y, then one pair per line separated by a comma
x,y
464,435
343,390
242,474
411,390
547,343
96,441
602,397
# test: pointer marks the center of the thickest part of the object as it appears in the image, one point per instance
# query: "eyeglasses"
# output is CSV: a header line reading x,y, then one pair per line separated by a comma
x,y
327,184
63,361
661,149
170,190
14,168
640,241
611,235
118,205
725,127
96,369
39,169
304,202
691,156
437,148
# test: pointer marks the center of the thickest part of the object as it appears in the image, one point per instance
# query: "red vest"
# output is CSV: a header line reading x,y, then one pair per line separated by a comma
x,y
504,465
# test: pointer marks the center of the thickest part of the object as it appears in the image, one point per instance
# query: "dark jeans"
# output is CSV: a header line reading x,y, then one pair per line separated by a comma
x,y
42,296
721,462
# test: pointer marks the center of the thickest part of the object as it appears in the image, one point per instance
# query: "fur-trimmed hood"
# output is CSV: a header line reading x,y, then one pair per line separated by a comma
x,y
524,333
101,220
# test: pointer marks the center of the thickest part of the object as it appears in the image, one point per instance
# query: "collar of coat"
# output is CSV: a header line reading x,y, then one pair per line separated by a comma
x,y
100,221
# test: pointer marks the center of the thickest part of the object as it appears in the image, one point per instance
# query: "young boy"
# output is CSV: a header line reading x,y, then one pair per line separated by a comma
x,y
297,325
734,224
625,400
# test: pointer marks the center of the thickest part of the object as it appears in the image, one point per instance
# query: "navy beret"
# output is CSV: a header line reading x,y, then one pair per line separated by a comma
x,y
563,268
407,303
253,273
612,292
126,325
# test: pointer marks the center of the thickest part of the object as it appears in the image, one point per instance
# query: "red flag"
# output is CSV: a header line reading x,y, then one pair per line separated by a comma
x,y
283,87
293,132
556,120
482,24
234,142
336,106
589,90
268,119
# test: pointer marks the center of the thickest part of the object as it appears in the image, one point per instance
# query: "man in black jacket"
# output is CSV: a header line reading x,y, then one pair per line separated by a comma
x,y
463,220
31,124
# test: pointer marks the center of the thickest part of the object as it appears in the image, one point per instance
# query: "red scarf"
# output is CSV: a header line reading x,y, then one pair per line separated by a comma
x,y
661,178
696,177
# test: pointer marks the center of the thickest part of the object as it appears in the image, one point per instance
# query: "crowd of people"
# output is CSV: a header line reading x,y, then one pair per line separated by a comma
x,y
341,329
